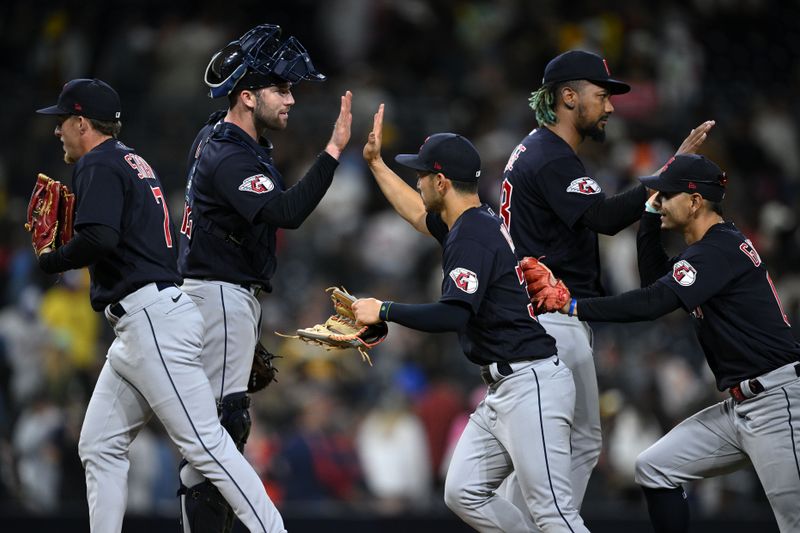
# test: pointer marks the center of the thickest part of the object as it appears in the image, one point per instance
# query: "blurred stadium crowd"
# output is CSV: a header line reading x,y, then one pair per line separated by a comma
x,y
334,431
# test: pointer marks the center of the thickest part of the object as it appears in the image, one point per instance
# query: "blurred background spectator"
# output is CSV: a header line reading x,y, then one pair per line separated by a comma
x,y
335,433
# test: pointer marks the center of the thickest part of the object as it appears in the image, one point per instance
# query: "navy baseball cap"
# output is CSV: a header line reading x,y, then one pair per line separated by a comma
x,y
448,153
88,98
581,65
690,173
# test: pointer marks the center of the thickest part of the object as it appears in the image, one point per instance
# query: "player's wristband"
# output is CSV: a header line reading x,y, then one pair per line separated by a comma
x,y
383,314
650,209
572,304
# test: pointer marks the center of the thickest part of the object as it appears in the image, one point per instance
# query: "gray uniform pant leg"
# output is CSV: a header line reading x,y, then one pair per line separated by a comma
x,y
230,314
522,425
115,414
156,356
574,345
728,436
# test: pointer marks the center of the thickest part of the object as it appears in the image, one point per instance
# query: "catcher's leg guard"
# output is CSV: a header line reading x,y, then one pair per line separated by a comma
x,y
235,417
203,509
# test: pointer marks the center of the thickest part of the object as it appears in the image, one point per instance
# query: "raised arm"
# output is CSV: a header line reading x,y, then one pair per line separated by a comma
x,y
293,206
404,199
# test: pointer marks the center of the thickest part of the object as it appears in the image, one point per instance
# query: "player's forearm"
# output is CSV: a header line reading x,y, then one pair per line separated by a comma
x,y
291,208
434,318
87,247
652,259
404,199
617,212
637,305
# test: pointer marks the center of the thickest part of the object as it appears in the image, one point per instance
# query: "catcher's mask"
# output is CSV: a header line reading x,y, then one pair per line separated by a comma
x,y
259,59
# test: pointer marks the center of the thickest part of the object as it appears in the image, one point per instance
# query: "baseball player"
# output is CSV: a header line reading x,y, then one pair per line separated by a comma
x,y
125,237
235,201
553,208
721,281
523,423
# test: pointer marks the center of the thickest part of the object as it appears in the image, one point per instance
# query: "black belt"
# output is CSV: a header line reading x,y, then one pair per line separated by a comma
x,y
737,394
118,311
254,289
756,387
504,367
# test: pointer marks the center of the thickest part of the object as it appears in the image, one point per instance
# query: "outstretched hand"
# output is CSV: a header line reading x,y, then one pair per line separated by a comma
x,y
372,150
341,130
696,138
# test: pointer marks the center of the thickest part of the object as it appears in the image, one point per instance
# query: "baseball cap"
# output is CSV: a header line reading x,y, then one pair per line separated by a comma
x,y
448,153
690,173
582,65
90,98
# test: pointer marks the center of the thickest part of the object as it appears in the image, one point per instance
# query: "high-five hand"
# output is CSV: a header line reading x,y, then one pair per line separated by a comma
x,y
696,138
341,130
372,150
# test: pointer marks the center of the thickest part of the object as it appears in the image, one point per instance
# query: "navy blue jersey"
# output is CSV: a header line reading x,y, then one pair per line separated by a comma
x,y
740,322
545,192
231,178
117,188
481,271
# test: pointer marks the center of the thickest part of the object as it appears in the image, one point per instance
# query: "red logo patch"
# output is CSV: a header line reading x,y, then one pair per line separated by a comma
x,y
437,166
605,64
258,184
77,107
465,279
585,185
684,273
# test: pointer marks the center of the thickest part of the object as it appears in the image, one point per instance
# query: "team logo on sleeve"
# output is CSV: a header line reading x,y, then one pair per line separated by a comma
x,y
585,185
258,184
684,273
466,280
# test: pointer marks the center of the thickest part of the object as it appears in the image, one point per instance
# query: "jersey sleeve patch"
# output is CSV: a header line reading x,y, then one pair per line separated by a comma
x,y
258,184
466,280
585,185
684,273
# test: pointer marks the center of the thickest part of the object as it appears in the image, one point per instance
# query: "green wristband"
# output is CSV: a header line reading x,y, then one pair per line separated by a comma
x,y
383,314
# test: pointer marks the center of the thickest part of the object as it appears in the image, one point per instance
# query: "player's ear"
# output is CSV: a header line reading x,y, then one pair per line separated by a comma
x,y
697,201
248,98
569,97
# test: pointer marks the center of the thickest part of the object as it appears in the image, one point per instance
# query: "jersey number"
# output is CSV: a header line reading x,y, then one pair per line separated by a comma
x,y
160,200
186,224
505,203
777,299
749,250
521,278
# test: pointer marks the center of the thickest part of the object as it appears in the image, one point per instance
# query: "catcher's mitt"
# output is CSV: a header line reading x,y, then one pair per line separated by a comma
x,y
50,214
264,370
548,294
340,330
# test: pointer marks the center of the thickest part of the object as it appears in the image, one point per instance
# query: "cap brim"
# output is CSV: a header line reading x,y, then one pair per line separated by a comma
x,y
53,110
614,86
411,161
657,184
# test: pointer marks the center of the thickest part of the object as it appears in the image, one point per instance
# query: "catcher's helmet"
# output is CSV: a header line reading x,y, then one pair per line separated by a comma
x,y
258,59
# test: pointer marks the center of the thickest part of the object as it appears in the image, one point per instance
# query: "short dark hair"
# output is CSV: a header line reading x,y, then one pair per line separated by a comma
x,y
107,127
465,187
715,207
